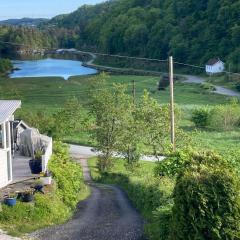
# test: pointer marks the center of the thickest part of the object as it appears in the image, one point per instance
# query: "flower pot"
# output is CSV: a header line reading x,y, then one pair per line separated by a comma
x,y
46,180
27,197
10,201
35,166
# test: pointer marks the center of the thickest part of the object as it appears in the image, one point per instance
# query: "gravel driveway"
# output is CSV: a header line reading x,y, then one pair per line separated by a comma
x,y
106,215
219,89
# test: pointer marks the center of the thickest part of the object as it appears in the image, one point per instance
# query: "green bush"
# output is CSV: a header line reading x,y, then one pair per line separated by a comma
x,y
225,117
67,174
200,117
208,86
160,227
173,164
206,200
5,65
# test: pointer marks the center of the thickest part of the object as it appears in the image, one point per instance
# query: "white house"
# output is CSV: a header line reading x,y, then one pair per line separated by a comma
x,y
13,165
7,109
214,66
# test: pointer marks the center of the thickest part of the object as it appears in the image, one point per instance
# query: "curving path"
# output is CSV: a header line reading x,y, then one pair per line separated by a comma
x,y
219,89
106,215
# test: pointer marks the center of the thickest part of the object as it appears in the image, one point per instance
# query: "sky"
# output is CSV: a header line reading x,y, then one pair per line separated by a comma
x,y
39,8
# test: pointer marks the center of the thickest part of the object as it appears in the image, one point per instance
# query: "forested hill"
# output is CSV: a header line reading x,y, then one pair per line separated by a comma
x,y
192,30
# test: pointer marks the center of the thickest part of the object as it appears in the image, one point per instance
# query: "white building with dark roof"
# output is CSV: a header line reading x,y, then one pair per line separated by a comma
x,y
214,66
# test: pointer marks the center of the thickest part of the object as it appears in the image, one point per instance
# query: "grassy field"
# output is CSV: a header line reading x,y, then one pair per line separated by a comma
x,y
49,94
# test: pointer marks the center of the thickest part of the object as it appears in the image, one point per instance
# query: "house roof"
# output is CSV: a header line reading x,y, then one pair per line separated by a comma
x,y
7,108
213,61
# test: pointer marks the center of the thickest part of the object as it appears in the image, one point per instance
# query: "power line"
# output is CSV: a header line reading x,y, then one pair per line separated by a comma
x,y
189,65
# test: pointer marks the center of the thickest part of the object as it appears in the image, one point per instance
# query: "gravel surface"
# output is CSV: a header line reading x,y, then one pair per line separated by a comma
x,y
219,89
106,215
3,236
77,150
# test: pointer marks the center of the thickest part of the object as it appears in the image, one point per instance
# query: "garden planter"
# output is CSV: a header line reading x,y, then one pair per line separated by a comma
x,y
35,166
10,201
46,180
27,197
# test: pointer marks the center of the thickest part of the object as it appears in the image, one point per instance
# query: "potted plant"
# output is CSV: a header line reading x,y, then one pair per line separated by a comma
x,y
10,199
46,178
36,163
27,196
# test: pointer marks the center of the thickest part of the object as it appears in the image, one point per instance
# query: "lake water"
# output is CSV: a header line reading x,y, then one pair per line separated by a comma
x,y
50,68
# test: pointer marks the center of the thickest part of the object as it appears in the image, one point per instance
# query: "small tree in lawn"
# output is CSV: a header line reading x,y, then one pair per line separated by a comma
x,y
130,142
68,119
154,122
110,108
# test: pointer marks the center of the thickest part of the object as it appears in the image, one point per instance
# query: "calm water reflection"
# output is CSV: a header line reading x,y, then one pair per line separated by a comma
x,y
50,68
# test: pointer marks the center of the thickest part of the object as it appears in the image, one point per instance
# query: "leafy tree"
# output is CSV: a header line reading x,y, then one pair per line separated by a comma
x,y
69,119
110,109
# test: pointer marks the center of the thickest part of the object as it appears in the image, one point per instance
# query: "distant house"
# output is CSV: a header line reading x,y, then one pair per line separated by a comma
x,y
214,66
13,163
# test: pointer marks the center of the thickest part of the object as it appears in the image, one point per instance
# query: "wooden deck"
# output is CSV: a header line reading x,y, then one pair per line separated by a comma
x,y
21,169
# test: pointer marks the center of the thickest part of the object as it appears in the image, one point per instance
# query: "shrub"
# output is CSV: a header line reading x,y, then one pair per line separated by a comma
x,y
5,65
173,164
208,86
160,227
200,117
206,200
225,117
67,174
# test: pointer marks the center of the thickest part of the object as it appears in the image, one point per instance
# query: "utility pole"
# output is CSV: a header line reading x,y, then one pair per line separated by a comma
x,y
172,102
134,92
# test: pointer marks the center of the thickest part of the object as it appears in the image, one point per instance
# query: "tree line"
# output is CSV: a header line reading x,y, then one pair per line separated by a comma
x,y
192,31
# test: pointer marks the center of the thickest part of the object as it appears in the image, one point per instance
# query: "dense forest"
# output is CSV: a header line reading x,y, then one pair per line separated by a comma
x,y
192,31
28,38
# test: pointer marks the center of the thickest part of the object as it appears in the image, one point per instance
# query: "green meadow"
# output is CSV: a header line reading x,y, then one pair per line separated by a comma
x,y
49,94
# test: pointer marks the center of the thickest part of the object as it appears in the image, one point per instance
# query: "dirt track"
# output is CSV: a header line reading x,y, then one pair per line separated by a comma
x,y
106,215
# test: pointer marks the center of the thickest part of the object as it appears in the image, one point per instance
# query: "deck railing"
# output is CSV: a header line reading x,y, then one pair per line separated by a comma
x,y
48,153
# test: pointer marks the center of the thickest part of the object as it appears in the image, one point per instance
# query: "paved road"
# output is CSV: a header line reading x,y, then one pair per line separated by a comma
x,y
106,215
219,89
89,152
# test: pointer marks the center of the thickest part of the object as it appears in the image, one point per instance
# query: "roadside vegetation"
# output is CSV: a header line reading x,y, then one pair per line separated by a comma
x,y
102,111
5,66
193,193
189,190
53,207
